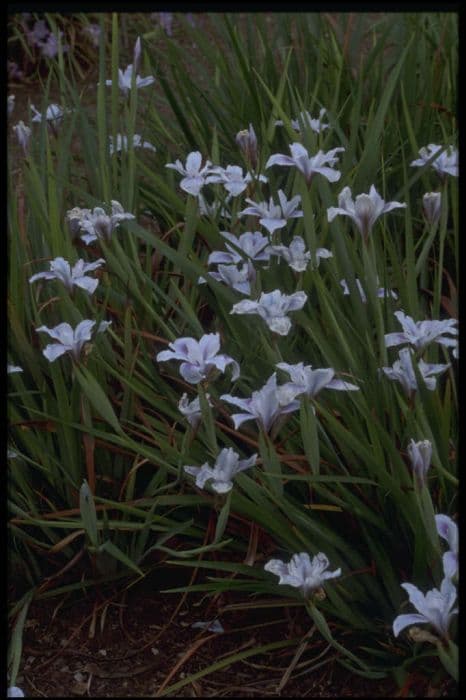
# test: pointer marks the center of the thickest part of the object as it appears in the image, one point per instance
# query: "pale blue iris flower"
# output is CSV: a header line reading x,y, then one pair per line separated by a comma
x,y
232,178
12,369
274,216
308,381
303,572
239,278
97,224
265,405
121,143
194,176
315,124
296,255
364,211
53,115
448,530
381,291
61,270
212,210
198,357
191,410
125,78
253,246
23,135
322,163
273,307
420,334
434,608
446,163
227,465
70,340
402,371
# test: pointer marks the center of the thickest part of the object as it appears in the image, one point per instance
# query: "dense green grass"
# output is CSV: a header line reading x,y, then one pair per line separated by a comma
x,y
98,481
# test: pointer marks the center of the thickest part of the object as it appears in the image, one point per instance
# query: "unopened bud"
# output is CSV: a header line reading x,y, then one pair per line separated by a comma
x,y
23,134
319,594
420,454
247,141
137,54
432,206
419,635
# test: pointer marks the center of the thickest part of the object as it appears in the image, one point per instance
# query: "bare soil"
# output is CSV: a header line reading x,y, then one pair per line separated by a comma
x,y
141,642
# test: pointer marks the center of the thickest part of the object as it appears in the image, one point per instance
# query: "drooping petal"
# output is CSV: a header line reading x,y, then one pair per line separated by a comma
x,y
87,283
402,621
191,373
54,350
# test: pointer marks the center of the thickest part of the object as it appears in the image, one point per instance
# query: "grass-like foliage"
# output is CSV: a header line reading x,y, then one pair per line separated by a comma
x,y
346,460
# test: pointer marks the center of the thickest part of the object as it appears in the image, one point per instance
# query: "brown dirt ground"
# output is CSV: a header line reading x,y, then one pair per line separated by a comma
x,y
140,643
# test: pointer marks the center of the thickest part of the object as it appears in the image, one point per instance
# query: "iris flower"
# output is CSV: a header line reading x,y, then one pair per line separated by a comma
x,y
23,135
321,163
195,177
236,278
434,608
273,307
12,369
125,79
253,246
191,410
232,178
381,291
420,334
364,211
70,340
227,465
60,269
310,382
448,530
199,357
445,164
315,124
303,572
206,209
402,371
122,143
53,115
274,216
265,405
97,224
296,255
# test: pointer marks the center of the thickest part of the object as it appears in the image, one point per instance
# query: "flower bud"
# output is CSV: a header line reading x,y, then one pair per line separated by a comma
x,y
23,134
247,141
419,635
420,454
137,54
432,206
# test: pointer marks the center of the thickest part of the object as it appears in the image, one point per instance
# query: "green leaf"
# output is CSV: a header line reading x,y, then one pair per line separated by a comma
x,y
97,397
88,513
115,552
